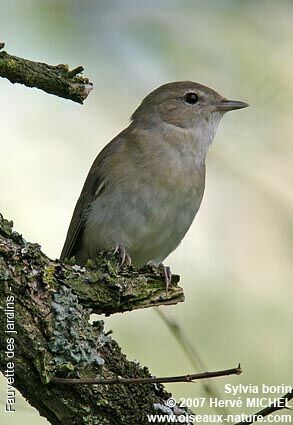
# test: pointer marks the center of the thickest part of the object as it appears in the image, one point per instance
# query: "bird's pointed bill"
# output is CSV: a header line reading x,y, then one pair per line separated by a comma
x,y
230,105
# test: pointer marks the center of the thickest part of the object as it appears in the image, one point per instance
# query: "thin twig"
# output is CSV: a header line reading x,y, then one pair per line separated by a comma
x,y
193,355
149,380
280,404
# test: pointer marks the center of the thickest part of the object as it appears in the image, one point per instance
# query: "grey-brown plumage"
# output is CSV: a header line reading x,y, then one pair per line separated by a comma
x,y
145,187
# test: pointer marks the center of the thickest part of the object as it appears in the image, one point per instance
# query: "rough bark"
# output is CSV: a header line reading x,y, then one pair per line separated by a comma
x,y
45,303
53,79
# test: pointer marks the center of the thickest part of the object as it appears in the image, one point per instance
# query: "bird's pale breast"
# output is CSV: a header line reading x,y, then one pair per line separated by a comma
x,y
150,216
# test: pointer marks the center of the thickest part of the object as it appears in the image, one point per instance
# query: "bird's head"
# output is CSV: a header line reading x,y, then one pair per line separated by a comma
x,y
184,104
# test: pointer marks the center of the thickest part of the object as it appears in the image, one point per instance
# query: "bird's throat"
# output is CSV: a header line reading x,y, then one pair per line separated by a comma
x,y
191,144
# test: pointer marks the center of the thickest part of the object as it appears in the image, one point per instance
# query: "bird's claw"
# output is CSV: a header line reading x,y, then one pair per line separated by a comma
x,y
167,275
124,257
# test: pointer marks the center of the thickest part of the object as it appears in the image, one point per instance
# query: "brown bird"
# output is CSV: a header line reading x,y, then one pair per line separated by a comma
x,y
146,186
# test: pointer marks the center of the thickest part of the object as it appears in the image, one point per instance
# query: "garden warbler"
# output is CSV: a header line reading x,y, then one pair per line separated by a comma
x,y
145,187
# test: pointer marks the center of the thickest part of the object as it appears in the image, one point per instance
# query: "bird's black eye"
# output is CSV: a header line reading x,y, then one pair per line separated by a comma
x,y
191,98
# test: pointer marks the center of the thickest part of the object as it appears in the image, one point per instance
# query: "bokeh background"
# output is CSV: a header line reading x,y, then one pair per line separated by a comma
x,y
236,262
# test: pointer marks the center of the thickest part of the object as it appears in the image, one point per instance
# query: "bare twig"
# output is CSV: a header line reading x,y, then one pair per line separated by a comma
x,y
56,80
192,354
149,380
280,404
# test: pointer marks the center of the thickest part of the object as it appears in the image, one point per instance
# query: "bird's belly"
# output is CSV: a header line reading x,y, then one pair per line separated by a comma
x,y
149,223
163,231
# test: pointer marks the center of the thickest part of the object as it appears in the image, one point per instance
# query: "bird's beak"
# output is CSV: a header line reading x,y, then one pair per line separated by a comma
x,y
230,105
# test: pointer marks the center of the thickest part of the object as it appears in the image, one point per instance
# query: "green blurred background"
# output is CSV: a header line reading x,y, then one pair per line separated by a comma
x,y
236,262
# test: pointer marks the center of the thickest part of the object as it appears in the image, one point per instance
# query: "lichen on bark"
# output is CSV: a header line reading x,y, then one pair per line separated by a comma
x,y
54,337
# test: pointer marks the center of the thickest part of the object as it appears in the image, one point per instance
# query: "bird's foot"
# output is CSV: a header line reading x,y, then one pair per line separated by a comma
x,y
167,275
124,257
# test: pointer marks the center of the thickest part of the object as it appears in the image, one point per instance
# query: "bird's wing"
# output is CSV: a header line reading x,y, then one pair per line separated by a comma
x,y
93,186
95,183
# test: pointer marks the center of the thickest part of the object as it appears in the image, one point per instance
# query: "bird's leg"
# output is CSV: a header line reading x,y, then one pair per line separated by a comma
x,y
167,275
125,258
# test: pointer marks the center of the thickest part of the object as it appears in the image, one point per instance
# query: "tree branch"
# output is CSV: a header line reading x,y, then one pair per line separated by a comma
x,y
104,286
56,80
150,380
46,337
45,333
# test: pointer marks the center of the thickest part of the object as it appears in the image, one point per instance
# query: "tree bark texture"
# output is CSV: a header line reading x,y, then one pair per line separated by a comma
x,y
53,79
45,310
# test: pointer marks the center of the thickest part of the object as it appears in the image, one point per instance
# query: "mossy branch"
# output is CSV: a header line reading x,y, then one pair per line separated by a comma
x,y
53,79
104,287
43,314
